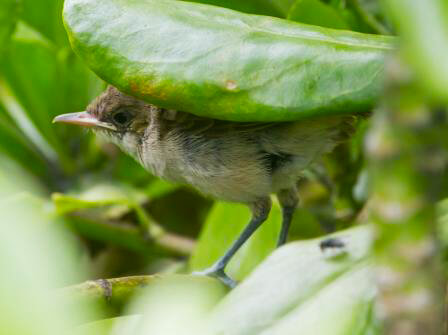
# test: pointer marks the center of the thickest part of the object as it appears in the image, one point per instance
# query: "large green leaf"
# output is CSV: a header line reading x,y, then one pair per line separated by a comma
x,y
223,64
302,289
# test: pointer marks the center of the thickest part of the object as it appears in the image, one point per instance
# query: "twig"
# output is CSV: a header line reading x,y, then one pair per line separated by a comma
x,y
107,298
130,236
116,290
113,295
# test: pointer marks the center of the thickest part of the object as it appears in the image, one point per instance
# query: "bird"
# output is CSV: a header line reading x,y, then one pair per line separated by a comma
x,y
243,162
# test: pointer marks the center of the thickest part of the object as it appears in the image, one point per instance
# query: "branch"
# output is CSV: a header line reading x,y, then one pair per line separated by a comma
x,y
115,290
113,295
107,297
130,236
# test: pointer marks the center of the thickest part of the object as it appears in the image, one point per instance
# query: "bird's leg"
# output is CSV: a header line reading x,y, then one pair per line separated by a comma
x,y
288,200
260,211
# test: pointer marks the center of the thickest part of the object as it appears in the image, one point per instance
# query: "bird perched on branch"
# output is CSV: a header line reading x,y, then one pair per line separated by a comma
x,y
239,162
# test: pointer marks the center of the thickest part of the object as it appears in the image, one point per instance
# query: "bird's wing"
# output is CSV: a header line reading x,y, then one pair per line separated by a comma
x,y
308,137
201,126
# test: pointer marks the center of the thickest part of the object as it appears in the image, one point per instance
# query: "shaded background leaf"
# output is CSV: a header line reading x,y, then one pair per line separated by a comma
x,y
9,10
261,7
318,13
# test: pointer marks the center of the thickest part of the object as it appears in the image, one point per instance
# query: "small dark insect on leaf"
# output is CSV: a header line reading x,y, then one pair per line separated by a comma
x,y
333,243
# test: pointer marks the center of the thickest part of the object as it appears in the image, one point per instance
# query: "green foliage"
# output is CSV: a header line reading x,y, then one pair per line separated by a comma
x,y
223,64
74,209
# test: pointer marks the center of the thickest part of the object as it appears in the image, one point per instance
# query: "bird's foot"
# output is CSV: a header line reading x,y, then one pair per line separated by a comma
x,y
217,273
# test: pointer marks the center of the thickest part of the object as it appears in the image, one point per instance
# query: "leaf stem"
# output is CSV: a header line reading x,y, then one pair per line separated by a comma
x,y
130,236
116,289
114,294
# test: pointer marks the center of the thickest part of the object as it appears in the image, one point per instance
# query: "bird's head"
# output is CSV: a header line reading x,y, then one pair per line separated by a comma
x,y
115,116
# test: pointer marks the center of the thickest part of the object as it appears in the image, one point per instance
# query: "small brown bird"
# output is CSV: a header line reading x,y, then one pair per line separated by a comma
x,y
232,161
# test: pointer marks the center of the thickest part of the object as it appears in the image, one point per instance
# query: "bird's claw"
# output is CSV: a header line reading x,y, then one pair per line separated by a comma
x,y
218,274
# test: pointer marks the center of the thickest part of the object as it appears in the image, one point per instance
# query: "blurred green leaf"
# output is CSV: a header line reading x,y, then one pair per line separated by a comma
x,y
125,235
442,221
277,8
14,143
317,13
223,225
261,7
101,327
159,188
284,6
30,70
99,195
174,305
305,225
45,17
423,28
191,209
114,214
329,311
9,10
122,199
17,113
38,81
123,167
227,65
301,289
367,12
11,170
38,257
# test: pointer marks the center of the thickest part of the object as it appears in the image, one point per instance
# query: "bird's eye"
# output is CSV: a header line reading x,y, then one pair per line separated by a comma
x,y
122,117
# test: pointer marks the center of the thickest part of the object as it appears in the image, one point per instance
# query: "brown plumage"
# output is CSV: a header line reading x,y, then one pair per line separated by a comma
x,y
240,162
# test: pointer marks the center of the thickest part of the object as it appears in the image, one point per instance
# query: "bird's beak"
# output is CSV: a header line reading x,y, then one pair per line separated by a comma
x,y
83,119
